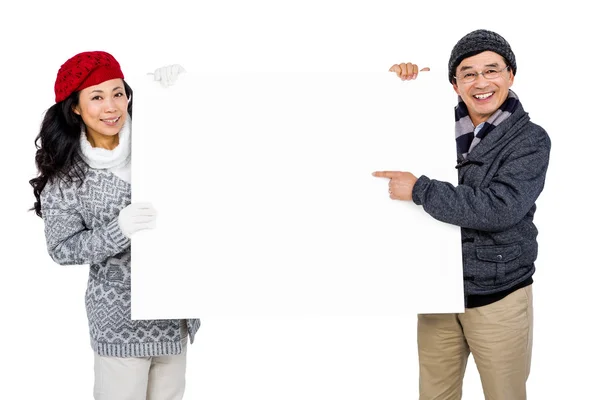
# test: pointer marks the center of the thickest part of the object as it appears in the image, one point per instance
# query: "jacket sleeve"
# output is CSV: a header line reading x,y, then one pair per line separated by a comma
x,y
68,239
503,203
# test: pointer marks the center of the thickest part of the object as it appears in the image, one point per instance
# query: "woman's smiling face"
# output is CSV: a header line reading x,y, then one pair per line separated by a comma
x,y
103,108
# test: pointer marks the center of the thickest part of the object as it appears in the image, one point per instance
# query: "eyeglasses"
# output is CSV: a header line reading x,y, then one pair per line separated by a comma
x,y
468,77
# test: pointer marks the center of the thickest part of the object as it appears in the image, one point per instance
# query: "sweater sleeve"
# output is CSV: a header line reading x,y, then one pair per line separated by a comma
x,y
503,203
68,239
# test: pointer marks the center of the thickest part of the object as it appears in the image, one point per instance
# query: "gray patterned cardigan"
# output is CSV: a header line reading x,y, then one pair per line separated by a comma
x,y
81,226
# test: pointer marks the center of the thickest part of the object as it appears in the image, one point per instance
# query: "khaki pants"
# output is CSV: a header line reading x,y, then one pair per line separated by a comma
x,y
500,337
141,378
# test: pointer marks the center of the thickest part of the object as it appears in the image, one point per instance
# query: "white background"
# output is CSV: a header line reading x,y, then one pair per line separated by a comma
x,y
270,208
44,331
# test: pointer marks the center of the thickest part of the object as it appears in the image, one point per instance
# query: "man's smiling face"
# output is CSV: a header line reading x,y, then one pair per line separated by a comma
x,y
483,96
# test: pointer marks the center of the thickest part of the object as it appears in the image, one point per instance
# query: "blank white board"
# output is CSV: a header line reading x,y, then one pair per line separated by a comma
x,y
266,203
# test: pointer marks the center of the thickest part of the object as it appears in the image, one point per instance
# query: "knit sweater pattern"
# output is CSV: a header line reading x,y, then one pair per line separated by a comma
x,y
81,226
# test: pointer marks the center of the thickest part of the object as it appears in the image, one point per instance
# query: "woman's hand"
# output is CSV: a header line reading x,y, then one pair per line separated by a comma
x,y
168,74
135,217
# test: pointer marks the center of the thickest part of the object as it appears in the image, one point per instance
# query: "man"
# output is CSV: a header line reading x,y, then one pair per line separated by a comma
x,y
502,163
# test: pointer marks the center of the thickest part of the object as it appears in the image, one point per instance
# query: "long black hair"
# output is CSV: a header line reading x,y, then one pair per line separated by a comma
x,y
57,155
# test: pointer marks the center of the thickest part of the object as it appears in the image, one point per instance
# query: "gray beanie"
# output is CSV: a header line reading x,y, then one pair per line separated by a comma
x,y
477,42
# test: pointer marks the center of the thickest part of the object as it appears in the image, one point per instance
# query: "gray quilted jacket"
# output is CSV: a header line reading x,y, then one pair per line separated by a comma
x,y
494,204
81,225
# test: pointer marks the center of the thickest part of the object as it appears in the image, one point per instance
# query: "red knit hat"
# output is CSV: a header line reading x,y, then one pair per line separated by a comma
x,y
84,70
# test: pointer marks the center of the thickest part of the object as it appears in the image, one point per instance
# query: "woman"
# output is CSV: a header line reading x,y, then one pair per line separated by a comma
x,y
83,193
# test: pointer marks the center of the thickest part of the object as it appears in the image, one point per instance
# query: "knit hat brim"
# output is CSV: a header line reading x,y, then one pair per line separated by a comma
x,y
477,42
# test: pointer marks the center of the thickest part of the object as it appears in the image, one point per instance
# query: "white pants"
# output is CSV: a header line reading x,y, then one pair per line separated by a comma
x,y
140,378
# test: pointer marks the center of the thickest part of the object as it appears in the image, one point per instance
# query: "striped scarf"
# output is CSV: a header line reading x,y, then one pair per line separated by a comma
x,y
466,140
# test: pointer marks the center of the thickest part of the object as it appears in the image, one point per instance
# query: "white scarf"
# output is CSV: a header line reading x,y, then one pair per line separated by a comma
x,y
117,160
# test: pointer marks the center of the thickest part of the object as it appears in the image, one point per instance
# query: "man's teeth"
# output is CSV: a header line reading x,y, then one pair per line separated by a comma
x,y
483,96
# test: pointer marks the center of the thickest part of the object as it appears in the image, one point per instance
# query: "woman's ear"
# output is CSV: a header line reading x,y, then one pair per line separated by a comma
x,y
76,110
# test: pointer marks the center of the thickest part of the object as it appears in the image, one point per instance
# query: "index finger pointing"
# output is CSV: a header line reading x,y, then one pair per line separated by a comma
x,y
386,174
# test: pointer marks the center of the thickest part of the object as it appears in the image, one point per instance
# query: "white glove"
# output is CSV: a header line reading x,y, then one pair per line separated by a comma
x,y
135,217
168,75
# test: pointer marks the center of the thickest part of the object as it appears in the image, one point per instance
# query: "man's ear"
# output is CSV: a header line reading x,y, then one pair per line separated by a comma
x,y
455,86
